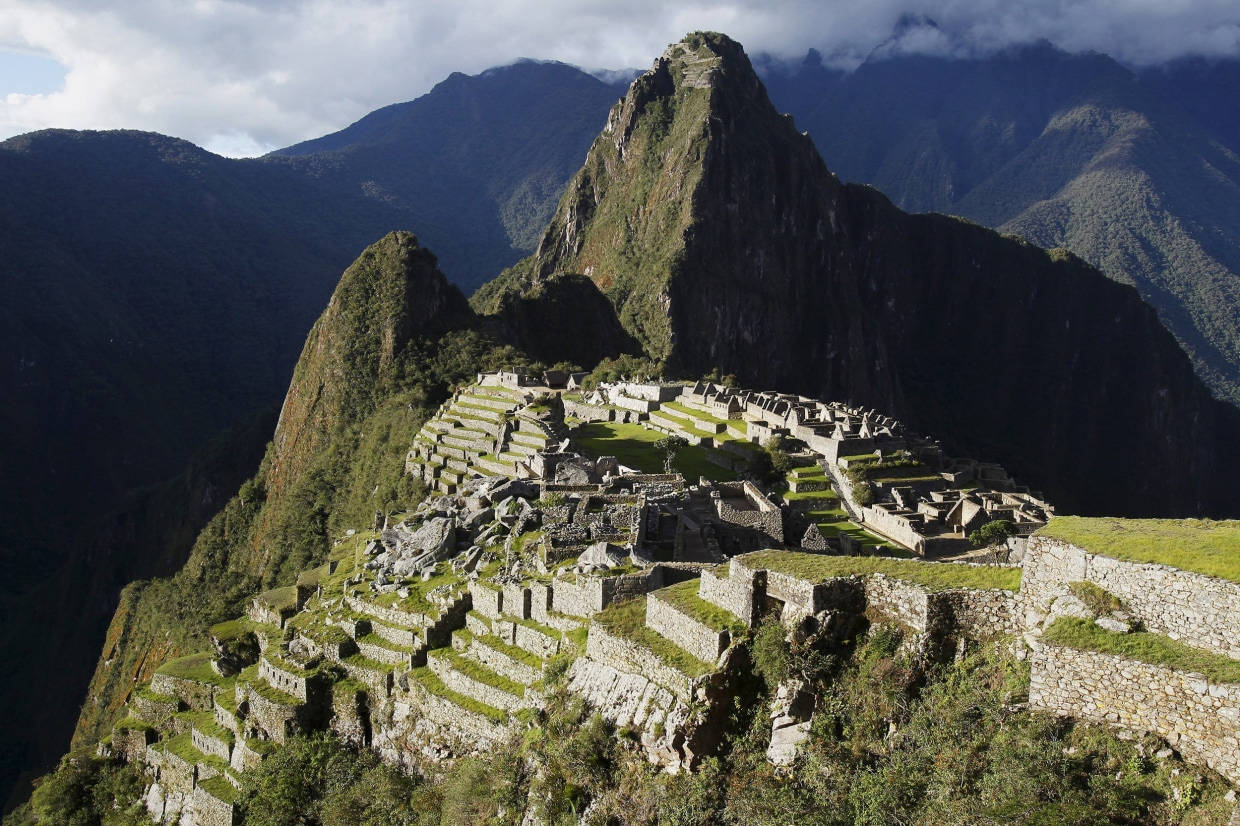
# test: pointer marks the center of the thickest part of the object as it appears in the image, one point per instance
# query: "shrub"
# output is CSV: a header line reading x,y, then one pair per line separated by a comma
x,y
992,533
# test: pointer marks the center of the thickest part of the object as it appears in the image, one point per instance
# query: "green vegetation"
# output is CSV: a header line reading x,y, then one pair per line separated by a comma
x,y
634,446
477,671
1154,649
430,681
1096,599
992,533
219,788
1199,545
935,576
684,597
196,667
511,651
627,619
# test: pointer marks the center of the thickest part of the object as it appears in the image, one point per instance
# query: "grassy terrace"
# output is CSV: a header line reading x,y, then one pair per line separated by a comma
x,y
512,652
433,685
232,629
219,788
1154,649
280,599
183,747
1199,545
684,597
204,721
475,670
265,690
935,576
633,445
314,625
628,620
196,667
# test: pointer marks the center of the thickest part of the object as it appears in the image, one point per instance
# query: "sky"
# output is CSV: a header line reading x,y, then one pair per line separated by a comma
x,y
242,77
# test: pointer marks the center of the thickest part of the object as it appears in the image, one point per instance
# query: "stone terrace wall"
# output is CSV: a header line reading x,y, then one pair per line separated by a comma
x,y
700,640
210,810
736,592
1196,609
982,614
902,601
1201,719
624,656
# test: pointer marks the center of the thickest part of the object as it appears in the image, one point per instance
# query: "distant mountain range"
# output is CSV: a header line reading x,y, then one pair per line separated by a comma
x,y
155,296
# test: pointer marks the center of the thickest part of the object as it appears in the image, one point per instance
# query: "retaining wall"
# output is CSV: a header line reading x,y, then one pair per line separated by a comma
x,y
1198,610
1200,719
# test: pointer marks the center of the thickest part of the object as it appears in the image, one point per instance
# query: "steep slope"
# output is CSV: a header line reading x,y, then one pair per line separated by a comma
x,y
476,164
1135,172
393,340
723,241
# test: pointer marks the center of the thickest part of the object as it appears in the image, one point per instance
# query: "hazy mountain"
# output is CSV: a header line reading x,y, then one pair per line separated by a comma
x,y
1135,172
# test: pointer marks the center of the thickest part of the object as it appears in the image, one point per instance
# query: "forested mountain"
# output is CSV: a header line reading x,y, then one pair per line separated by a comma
x,y
154,297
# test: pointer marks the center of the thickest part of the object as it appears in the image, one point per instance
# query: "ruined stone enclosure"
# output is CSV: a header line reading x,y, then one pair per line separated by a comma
x,y
544,562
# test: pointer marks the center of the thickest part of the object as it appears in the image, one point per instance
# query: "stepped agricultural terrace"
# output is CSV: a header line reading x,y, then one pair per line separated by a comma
x,y
559,551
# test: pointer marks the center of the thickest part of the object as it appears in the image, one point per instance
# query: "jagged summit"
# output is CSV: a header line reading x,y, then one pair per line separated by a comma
x,y
723,241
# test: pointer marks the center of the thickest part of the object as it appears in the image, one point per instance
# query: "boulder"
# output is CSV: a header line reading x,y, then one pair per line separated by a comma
x,y
603,555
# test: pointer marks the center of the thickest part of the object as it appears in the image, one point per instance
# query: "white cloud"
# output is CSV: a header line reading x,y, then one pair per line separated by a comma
x,y
242,76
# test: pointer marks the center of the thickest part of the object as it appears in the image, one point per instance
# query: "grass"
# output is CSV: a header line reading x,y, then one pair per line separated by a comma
x,y
431,682
811,495
475,670
204,721
633,445
1096,599
1154,649
692,413
683,596
545,630
512,652
132,724
183,747
1199,545
232,629
280,599
195,667
219,788
934,576
265,690
628,620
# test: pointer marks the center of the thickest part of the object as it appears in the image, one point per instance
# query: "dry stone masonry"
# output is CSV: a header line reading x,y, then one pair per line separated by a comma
x,y
432,635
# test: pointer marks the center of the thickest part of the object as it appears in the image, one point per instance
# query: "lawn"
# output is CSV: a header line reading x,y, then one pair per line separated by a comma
x,y
196,667
633,445
684,597
1154,649
627,619
1200,545
935,576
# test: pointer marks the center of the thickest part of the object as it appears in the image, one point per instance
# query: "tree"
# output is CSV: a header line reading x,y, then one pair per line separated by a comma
x,y
671,447
992,533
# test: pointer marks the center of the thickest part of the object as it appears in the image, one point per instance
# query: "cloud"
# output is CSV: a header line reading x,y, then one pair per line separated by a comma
x,y
244,76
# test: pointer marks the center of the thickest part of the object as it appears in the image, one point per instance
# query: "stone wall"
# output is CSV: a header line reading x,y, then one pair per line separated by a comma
x,y
517,600
392,616
194,694
1200,719
1196,609
273,718
904,602
208,744
488,600
209,810
737,592
698,639
979,615
287,681
627,657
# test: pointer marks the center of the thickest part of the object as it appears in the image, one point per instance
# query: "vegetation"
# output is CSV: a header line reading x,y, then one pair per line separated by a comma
x,y
935,576
992,533
684,597
196,667
1096,599
1154,649
627,619
635,446
891,743
1200,545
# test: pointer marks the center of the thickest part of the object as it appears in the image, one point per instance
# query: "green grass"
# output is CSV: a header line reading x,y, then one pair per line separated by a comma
x,y
145,692
1154,649
545,630
204,721
219,788
1199,545
183,747
811,495
495,643
1097,599
633,445
232,629
479,672
684,597
280,599
431,682
195,667
935,576
628,620
265,690
133,723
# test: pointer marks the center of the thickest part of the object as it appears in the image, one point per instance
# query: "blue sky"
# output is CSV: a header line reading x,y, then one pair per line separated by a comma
x,y
241,77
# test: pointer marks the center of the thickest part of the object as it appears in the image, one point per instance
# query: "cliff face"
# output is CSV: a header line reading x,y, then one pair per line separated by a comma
x,y
723,241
